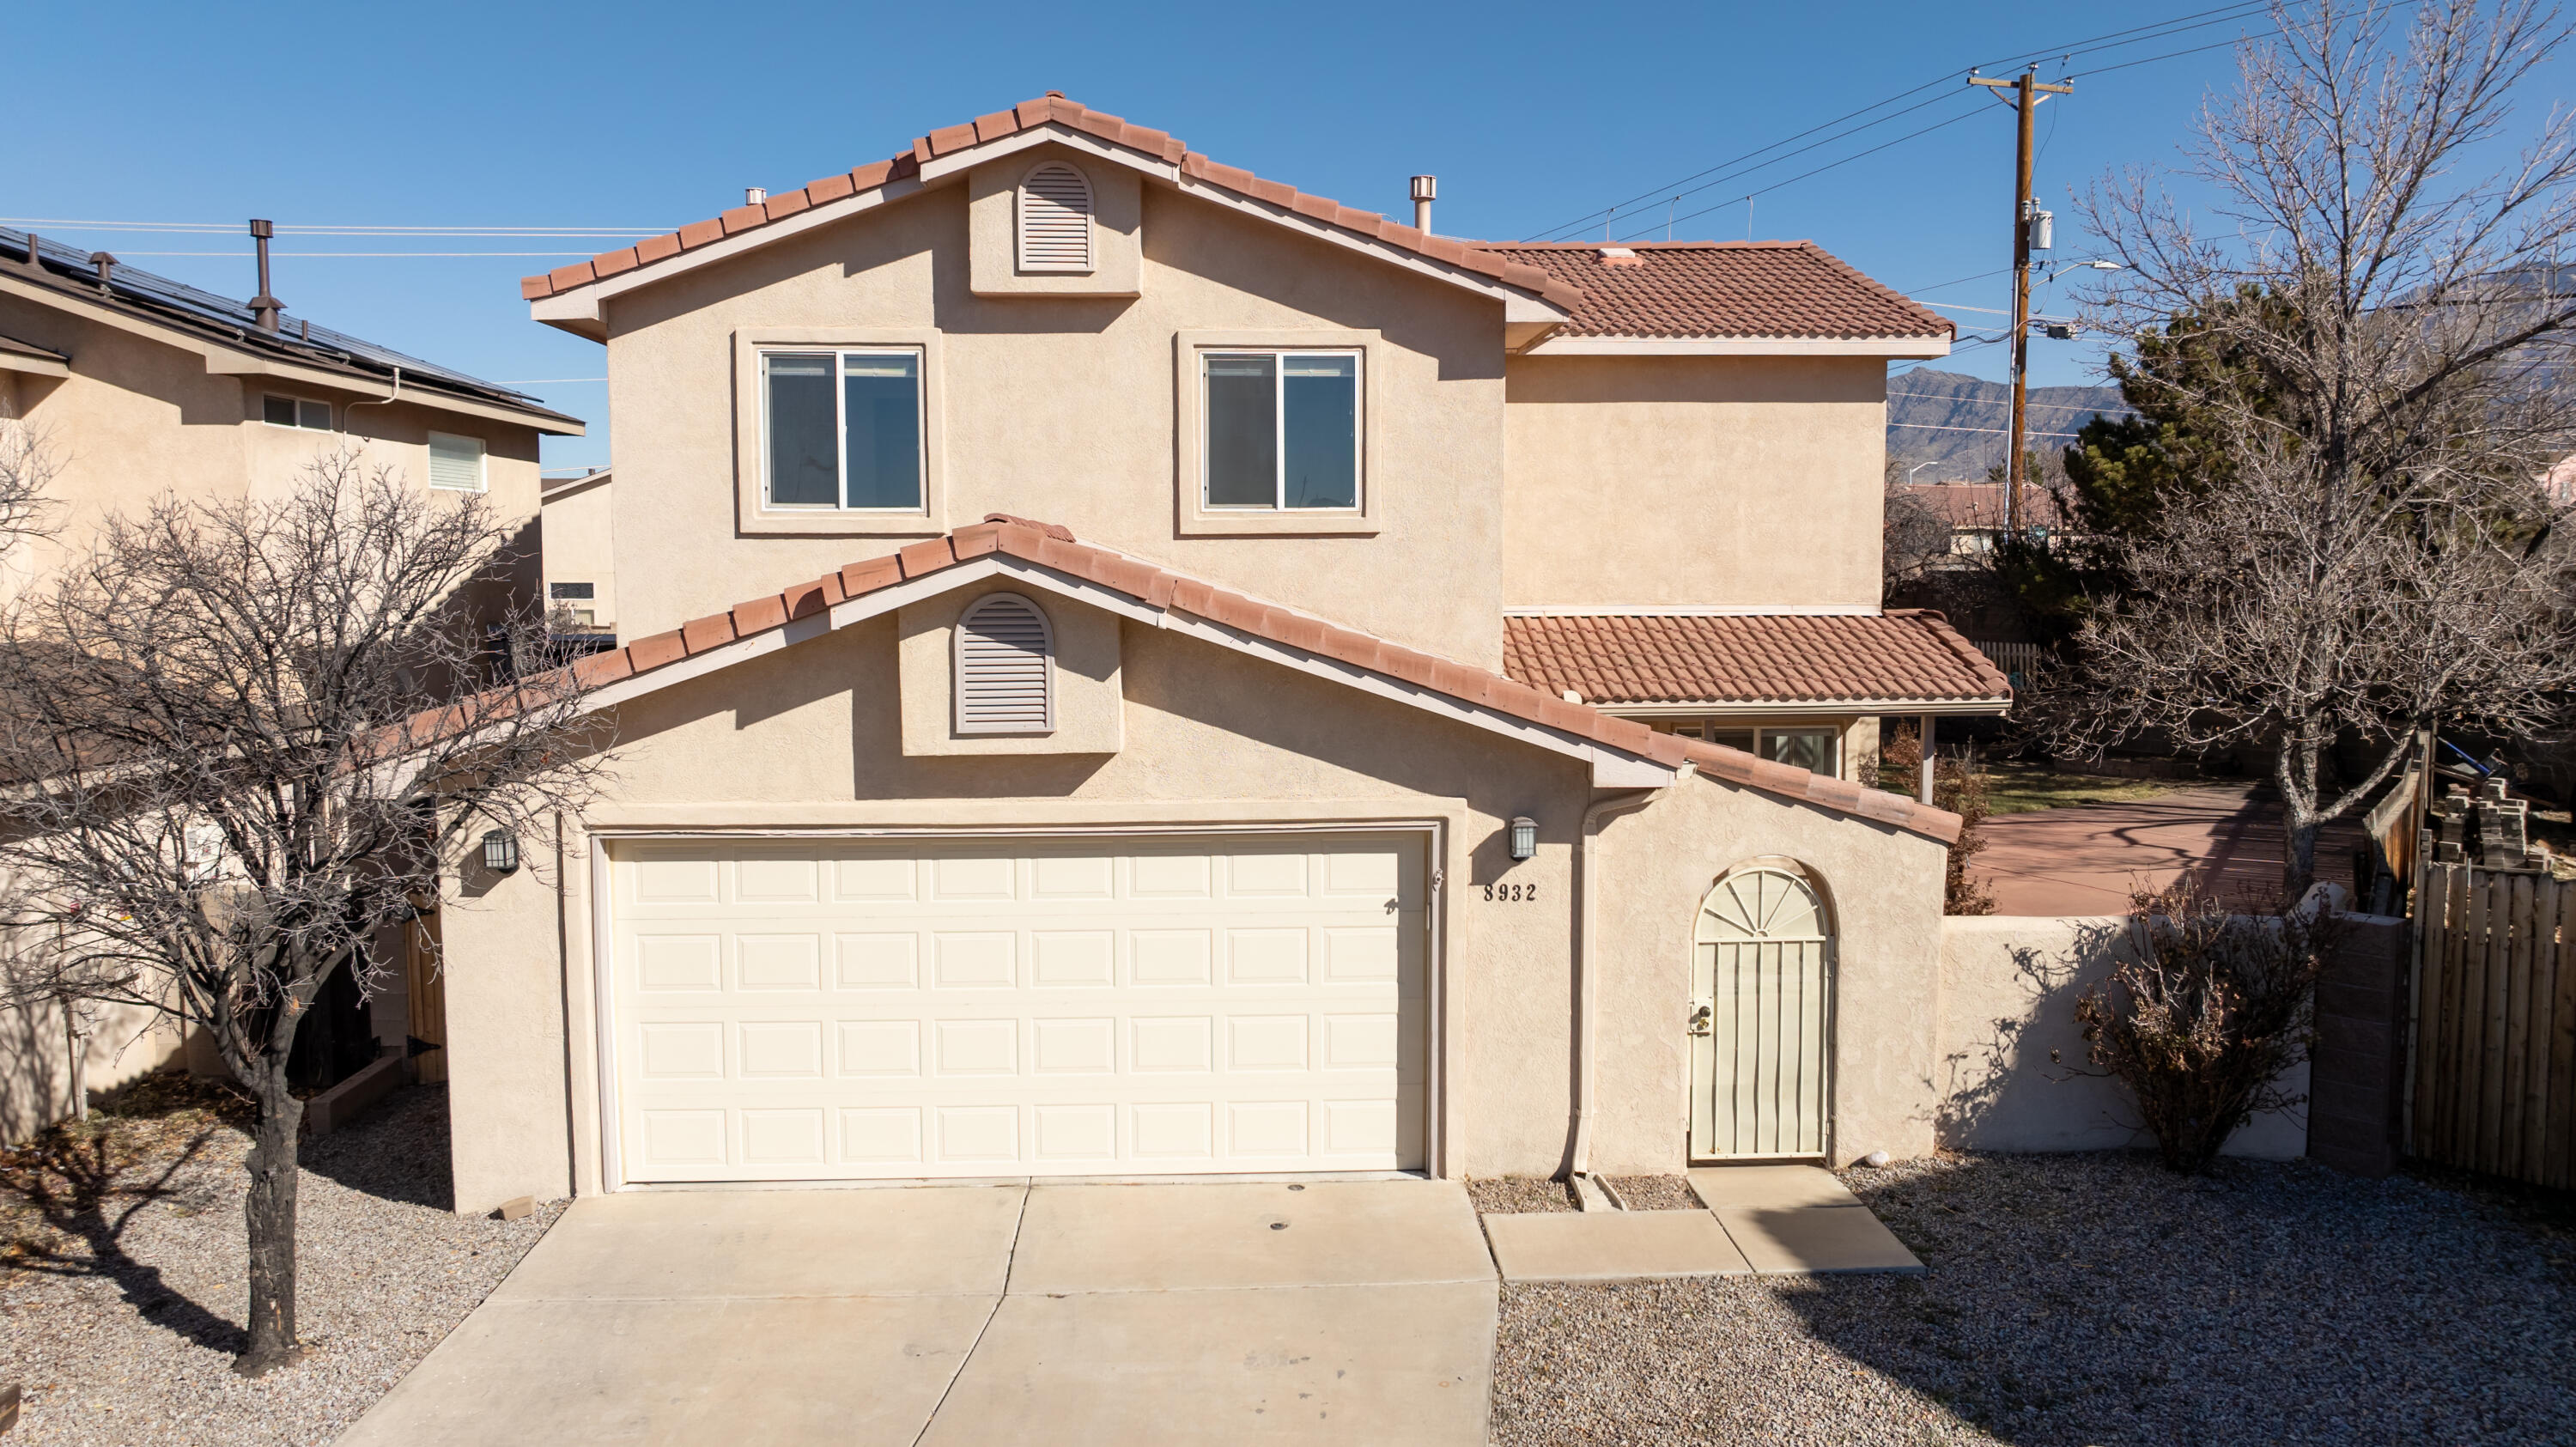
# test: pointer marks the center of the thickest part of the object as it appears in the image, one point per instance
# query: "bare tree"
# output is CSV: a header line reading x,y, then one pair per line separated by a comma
x,y
239,739
2387,275
1915,535
29,462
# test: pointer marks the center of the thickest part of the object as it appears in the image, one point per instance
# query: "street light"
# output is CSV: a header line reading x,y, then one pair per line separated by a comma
x,y
2097,264
1918,467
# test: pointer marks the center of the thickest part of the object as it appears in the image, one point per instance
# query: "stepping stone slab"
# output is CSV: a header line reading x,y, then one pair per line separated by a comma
x,y
1612,1246
1769,1188
1817,1241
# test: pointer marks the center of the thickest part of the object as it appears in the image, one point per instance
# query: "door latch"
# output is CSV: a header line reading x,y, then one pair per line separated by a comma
x,y
1699,1021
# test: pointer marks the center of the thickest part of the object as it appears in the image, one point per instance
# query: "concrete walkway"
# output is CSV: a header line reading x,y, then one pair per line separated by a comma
x,y
2087,859
1766,1220
1200,1313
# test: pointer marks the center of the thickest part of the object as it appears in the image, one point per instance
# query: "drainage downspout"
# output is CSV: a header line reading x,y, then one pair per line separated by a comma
x,y
1584,858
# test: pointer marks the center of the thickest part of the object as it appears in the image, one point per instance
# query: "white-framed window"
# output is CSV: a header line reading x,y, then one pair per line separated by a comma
x,y
1282,430
1054,219
1816,750
841,430
455,462
1005,666
301,412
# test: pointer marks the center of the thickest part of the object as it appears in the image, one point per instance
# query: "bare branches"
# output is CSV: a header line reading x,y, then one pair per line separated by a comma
x,y
2390,282
29,462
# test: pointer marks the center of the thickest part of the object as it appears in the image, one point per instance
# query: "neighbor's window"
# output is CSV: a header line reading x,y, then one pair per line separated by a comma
x,y
455,463
296,412
1815,750
843,429
1283,430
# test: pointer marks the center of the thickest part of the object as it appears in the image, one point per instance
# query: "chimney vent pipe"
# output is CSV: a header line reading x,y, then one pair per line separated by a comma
x,y
264,307
754,195
1426,189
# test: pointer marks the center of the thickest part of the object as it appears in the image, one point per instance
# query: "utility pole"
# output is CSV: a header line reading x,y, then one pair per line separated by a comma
x,y
2027,91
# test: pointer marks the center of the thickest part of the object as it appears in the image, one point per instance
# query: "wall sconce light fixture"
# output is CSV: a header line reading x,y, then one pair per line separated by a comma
x,y
1524,837
500,852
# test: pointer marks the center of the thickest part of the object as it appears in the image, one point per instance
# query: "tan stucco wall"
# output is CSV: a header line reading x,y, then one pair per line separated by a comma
x,y
1062,408
1694,480
2009,984
809,737
579,546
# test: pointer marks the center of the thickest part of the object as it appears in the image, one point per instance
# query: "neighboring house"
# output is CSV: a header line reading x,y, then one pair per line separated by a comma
x,y
1979,513
139,386
135,386
1232,818
581,563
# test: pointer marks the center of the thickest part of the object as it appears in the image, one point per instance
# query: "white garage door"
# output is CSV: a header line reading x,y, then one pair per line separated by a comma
x,y
823,1010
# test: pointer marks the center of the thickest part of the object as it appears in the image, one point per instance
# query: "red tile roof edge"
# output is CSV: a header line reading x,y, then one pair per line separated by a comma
x,y
1028,115
1052,546
1937,623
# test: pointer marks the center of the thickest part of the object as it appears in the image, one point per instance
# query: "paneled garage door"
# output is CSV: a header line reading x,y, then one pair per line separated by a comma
x,y
823,1010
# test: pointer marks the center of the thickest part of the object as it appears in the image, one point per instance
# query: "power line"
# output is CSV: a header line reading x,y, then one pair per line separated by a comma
x,y
1999,431
2109,40
1999,402
234,228
1818,171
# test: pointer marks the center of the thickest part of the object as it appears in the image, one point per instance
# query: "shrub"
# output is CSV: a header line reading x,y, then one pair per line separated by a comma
x,y
2203,1015
1957,787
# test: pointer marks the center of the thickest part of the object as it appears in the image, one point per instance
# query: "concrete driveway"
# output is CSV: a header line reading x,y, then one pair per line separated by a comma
x,y
1216,1312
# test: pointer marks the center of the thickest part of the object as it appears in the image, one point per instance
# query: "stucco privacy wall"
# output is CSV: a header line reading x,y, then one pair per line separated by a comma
x,y
1733,481
1882,891
2009,984
1063,407
809,737
36,1080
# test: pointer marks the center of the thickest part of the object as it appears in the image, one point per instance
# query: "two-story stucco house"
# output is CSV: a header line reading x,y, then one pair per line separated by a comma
x,y
131,386
1131,669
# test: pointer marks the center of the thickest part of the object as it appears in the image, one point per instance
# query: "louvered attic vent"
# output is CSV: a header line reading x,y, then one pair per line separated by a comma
x,y
1055,219
1005,668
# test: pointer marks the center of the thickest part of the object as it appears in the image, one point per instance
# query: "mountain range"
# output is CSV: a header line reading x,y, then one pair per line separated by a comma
x,y
1956,422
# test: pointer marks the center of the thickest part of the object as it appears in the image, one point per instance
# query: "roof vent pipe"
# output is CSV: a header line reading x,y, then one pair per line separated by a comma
x,y
106,265
263,306
1426,189
35,260
754,195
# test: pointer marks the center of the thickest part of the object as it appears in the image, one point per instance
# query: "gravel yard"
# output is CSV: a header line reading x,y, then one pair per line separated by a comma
x,y
2088,1299
121,1284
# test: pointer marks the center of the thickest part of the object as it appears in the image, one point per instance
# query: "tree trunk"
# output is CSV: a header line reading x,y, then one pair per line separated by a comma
x,y
270,1213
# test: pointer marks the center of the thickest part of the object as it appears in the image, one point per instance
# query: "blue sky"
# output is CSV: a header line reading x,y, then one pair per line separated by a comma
x,y
644,114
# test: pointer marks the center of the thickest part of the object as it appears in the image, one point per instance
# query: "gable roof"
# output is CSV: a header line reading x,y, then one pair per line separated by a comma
x,y
1887,663
51,273
1156,150
1050,556
1722,289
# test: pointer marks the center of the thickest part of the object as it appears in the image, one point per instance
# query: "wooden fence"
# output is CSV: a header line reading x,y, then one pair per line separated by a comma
x,y
2494,1073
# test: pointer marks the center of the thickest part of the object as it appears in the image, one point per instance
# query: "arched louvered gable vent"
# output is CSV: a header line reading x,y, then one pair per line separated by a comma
x,y
1005,668
1055,219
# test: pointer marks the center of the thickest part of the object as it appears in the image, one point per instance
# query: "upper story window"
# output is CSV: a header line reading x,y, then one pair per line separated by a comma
x,y
301,412
1283,430
1005,668
843,430
1055,219
456,463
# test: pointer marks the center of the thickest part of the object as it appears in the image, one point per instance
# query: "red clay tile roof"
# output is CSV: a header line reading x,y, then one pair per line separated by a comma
x,y
1028,115
1052,546
1723,289
1612,659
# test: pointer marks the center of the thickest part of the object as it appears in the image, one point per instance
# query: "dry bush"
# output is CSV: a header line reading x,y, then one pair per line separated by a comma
x,y
2203,1016
1958,787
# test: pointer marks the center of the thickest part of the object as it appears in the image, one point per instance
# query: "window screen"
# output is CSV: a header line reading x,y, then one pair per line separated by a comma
x,y
295,412
569,590
843,429
1814,750
455,462
1282,429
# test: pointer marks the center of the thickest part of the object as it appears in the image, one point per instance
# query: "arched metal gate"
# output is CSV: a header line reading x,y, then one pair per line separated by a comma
x,y
1762,1019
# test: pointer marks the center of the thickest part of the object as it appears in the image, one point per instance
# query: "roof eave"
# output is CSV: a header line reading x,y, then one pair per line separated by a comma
x,y
1911,348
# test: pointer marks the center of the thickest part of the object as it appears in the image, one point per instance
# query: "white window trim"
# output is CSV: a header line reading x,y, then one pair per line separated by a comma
x,y
752,514
957,669
482,462
841,430
329,412
1090,223
1376,487
1279,430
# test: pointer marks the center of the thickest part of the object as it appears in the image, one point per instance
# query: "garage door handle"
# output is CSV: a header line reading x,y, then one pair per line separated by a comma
x,y
1699,1021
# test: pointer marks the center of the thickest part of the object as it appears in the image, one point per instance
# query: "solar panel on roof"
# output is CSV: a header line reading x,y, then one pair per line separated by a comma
x,y
177,300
